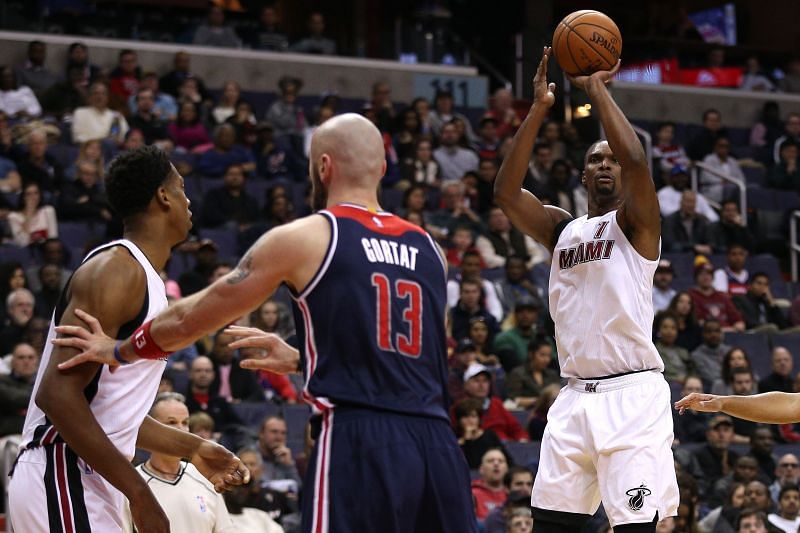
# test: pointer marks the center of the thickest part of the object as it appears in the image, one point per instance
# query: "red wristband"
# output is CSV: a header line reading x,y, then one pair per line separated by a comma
x,y
143,344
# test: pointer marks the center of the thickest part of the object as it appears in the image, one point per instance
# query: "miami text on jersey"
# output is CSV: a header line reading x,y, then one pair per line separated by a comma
x,y
390,252
585,252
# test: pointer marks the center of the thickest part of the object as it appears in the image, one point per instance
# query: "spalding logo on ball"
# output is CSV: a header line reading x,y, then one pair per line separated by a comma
x,y
585,42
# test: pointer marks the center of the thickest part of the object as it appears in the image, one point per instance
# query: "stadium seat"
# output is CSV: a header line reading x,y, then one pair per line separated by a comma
x,y
12,253
225,239
755,175
522,417
296,416
254,413
523,453
756,346
76,234
257,188
391,199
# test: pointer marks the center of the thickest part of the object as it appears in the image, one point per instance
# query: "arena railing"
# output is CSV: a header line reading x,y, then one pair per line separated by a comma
x,y
794,246
741,185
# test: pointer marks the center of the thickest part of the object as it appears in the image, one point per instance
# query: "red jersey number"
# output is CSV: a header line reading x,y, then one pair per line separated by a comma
x,y
405,291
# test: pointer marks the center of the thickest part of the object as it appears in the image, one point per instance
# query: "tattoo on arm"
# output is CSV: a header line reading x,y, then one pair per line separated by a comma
x,y
242,270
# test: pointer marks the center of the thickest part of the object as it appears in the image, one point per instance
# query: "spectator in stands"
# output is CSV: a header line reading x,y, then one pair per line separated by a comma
x,y
231,382
711,185
278,210
164,105
84,199
541,164
12,277
488,140
97,121
272,502
214,162
742,384
787,472
538,420
176,483
524,383
273,317
16,101
733,277
723,517
551,135
762,446
469,306
316,42
124,80
230,204
19,312
709,302
562,188
32,222
477,384
48,296
745,470
407,133
515,514
709,355
754,78
730,229
10,180
37,166
53,253
285,114
443,113
188,131
455,210
268,35
502,111
689,331
757,306
703,142
275,158
669,196
488,490
78,56
735,358
422,167
471,270
512,344
248,519
781,377
787,519
791,81
473,440
206,258
16,388
752,521
66,96
226,105
214,32
146,120
280,470
382,107
663,292
686,230
791,132
677,363
480,335
134,140
200,397
666,152
244,122
464,354
756,496
515,285
766,131
690,427
461,241
33,73
716,458
171,82
453,160
785,174
202,424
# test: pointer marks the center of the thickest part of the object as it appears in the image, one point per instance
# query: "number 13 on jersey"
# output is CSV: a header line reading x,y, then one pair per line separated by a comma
x,y
404,290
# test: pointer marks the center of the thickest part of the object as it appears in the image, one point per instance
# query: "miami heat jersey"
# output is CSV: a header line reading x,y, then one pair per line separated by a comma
x,y
601,300
119,401
371,322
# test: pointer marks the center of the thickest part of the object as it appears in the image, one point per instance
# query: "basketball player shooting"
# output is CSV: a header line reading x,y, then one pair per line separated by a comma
x,y
609,432
370,298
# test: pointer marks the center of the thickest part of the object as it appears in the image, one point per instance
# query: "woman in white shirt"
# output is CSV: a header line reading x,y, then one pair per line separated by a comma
x,y
32,222
97,121
17,101
226,107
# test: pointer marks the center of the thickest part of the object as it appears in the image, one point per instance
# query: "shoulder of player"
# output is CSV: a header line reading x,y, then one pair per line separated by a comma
x,y
113,275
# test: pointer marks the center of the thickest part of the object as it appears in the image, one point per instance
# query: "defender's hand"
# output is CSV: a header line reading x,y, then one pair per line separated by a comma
x,y
543,92
93,343
280,357
707,403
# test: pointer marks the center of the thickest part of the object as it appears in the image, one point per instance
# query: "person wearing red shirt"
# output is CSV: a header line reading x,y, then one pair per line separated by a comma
x,y
488,490
709,302
124,80
477,384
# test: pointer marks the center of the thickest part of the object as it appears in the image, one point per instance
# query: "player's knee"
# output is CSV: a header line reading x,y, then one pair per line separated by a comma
x,y
548,521
639,527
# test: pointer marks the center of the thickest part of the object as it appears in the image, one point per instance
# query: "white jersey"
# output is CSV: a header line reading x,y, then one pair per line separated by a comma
x,y
189,501
119,401
601,300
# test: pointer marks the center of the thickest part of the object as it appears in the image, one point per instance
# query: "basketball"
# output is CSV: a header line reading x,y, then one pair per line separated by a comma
x,y
585,42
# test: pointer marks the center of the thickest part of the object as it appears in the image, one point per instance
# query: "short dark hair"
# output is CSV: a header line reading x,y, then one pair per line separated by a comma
x,y
788,487
467,406
134,177
741,370
538,146
513,471
468,253
758,275
537,343
125,52
747,513
709,111
665,124
35,43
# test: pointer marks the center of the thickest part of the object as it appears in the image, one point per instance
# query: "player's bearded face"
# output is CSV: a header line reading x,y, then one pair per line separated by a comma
x,y
319,196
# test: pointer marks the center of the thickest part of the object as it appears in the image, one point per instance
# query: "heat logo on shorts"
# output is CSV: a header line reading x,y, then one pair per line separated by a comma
x,y
636,500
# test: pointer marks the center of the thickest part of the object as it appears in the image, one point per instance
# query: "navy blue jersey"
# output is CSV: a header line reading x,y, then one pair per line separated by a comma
x,y
371,321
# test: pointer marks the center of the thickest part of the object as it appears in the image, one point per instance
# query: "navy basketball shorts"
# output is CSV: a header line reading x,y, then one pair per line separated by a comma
x,y
382,471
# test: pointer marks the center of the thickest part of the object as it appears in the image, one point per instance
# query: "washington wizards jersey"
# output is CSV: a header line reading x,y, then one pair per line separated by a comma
x,y
371,322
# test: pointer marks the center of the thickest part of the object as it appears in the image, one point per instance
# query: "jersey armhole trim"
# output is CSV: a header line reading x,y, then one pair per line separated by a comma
x,y
560,228
438,253
326,261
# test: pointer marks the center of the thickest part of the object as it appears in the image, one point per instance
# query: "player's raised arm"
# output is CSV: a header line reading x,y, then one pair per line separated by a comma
x,y
639,212
768,408
524,210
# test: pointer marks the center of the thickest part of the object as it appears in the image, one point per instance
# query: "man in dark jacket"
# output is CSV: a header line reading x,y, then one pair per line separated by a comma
x,y
758,306
16,389
230,380
229,203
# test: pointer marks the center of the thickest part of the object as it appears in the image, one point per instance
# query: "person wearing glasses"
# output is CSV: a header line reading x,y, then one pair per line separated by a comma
x,y
786,472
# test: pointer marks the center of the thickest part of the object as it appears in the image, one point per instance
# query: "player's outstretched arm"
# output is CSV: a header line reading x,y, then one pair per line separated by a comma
x,y
769,407
106,287
290,253
279,357
222,468
524,210
639,213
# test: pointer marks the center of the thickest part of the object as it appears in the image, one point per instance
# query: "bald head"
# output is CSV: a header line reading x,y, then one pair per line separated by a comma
x,y
348,150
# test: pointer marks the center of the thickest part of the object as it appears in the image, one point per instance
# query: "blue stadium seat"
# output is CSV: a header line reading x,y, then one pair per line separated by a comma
x,y
493,274
65,154
391,199
522,417
254,413
225,238
11,253
756,345
76,234
523,453
755,175
257,188
682,264
766,263
296,418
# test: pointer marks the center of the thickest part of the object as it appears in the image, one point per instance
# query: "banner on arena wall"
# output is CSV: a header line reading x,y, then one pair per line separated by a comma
x,y
716,25
668,71
711,77
467,91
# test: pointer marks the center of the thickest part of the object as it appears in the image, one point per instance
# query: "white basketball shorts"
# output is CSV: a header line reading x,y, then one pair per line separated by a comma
x,y
610,440
53,490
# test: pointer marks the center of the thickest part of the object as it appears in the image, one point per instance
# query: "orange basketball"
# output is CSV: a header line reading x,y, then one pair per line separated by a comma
x,y
585,42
